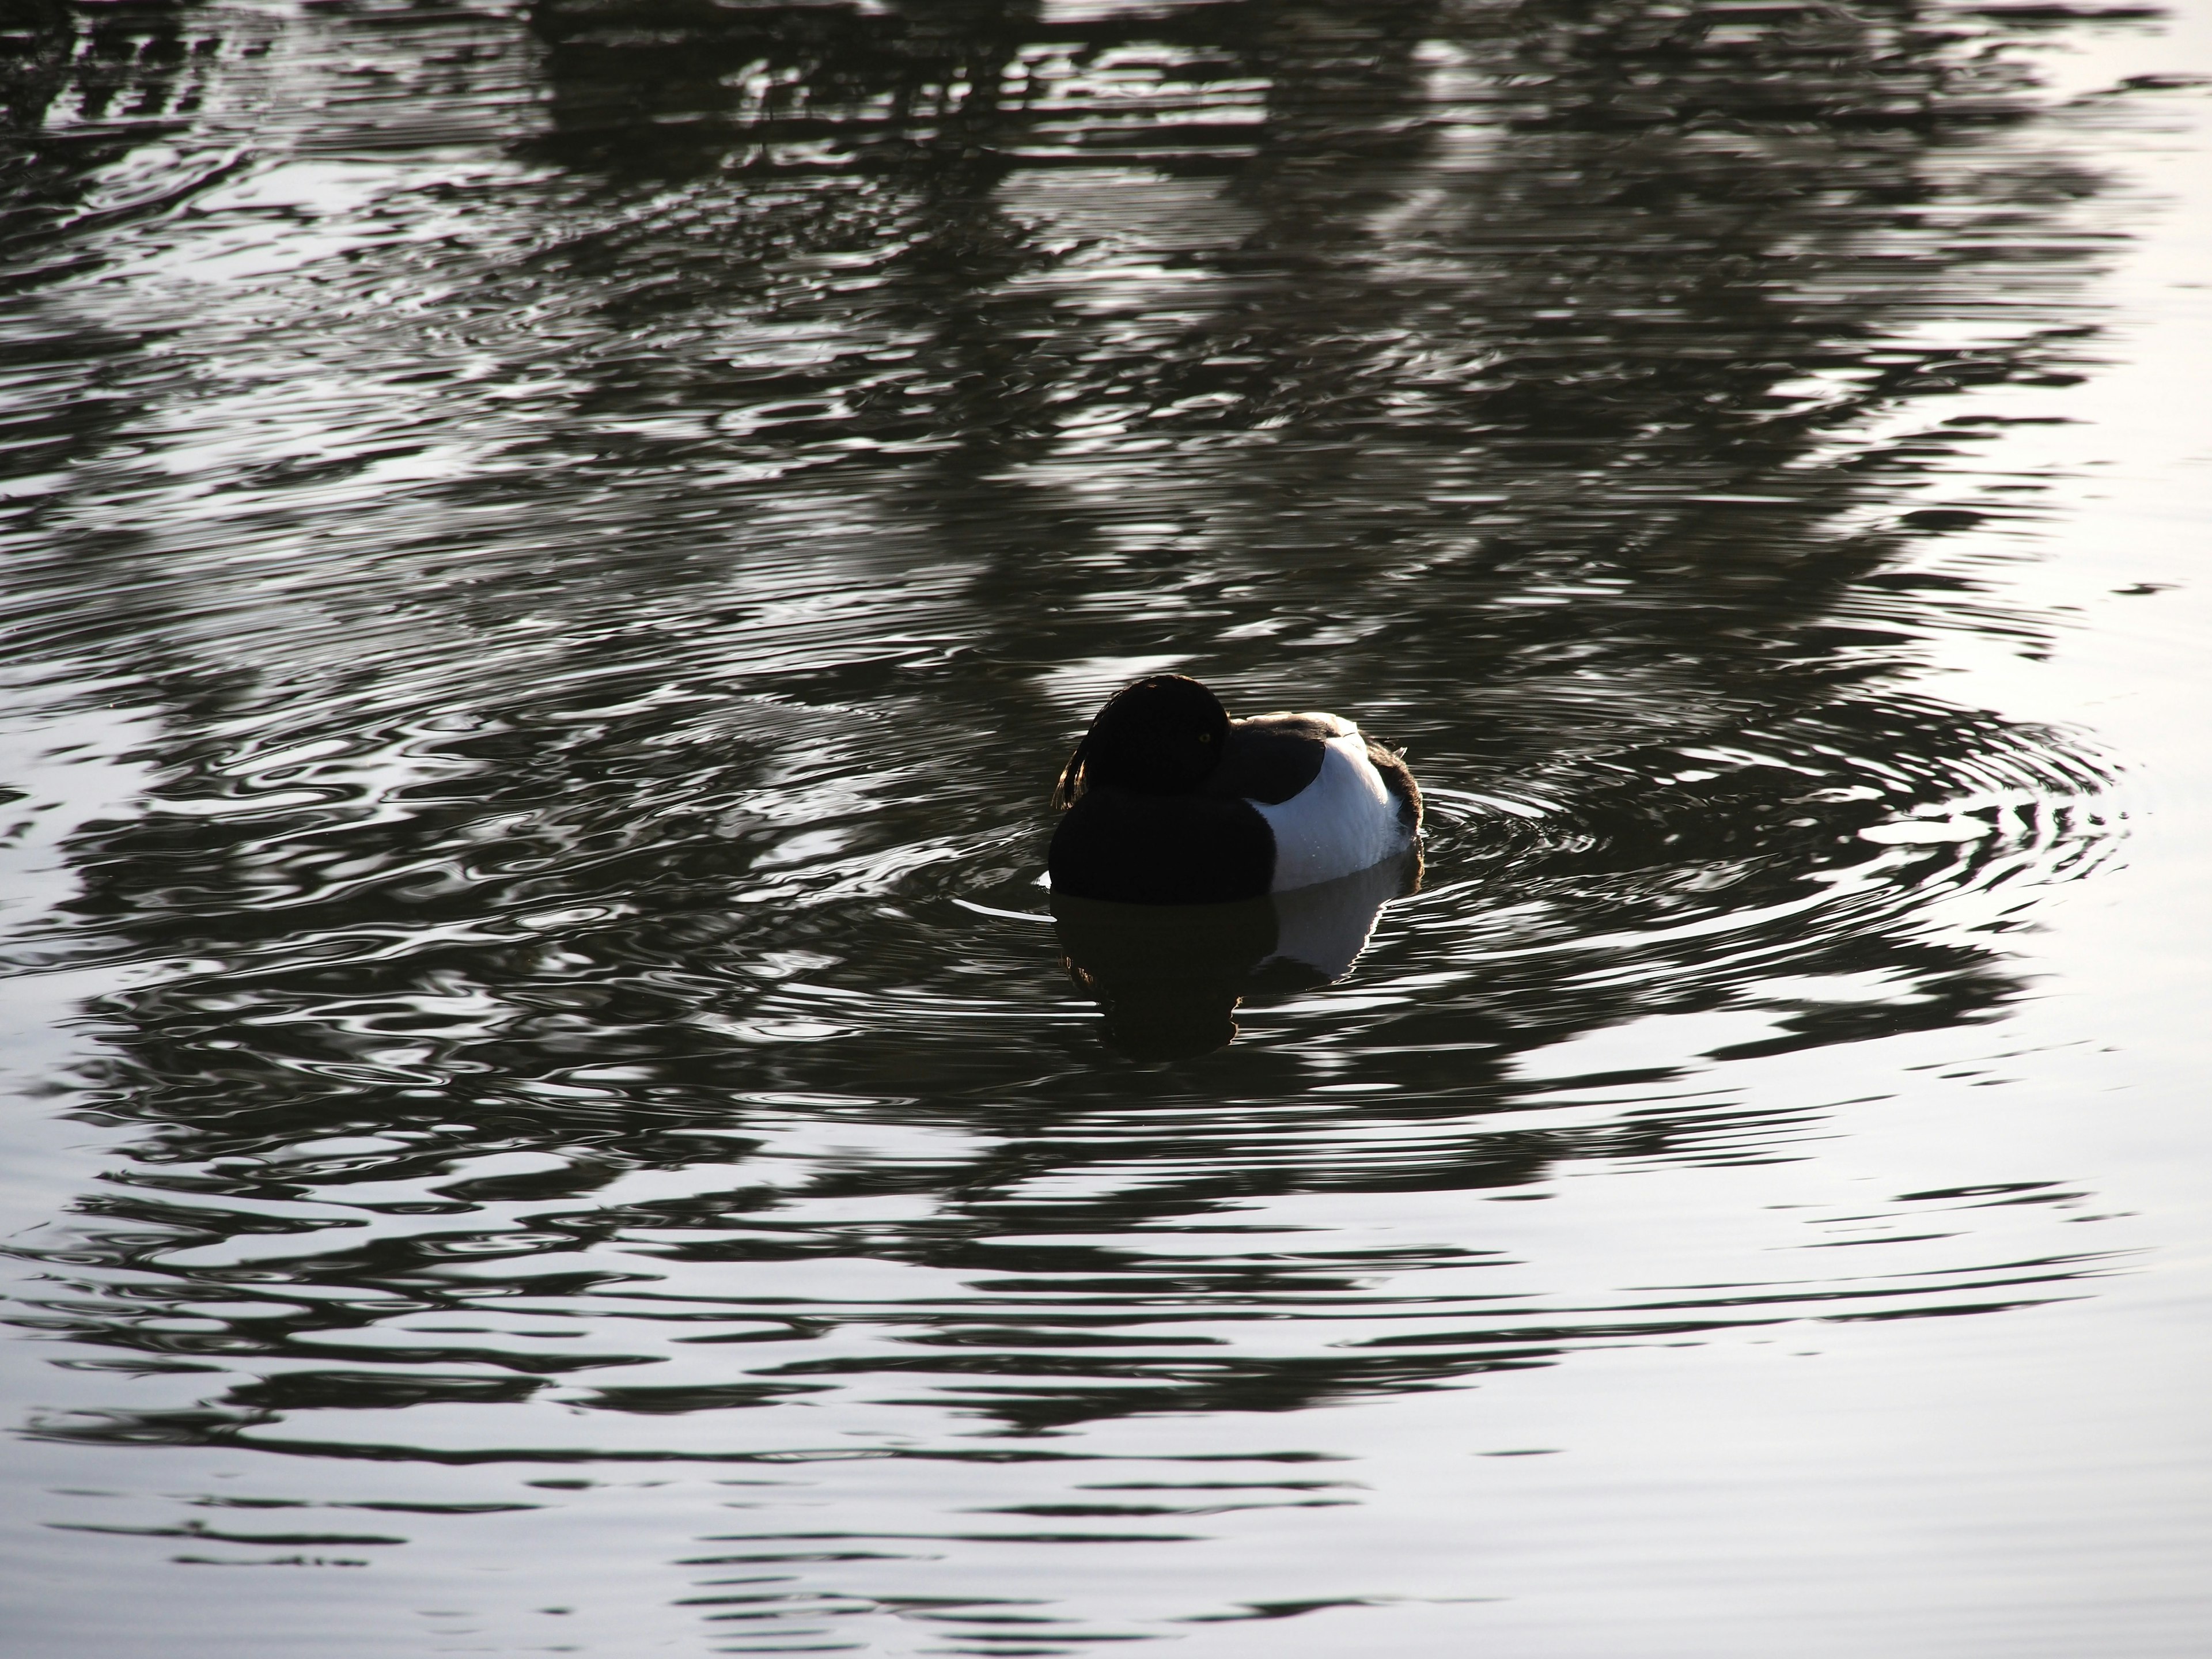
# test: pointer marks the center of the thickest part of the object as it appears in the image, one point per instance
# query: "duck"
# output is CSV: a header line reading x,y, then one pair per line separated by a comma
x,y
1167,800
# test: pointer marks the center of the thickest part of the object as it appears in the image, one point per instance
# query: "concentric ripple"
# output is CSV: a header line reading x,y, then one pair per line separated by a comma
x,y
555,556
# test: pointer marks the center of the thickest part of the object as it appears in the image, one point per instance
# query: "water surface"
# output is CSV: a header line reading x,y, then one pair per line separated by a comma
x,y
552,554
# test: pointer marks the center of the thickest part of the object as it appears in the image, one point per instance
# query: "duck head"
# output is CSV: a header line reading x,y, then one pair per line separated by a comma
x,y
1161,736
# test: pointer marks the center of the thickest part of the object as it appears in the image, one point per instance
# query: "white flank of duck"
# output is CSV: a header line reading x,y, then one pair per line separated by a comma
x,y
1344,820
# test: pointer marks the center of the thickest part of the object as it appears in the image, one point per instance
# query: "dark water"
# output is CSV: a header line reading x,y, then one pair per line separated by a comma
x,y
551,555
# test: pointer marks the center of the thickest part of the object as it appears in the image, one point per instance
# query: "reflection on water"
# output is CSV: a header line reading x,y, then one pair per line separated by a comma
x,y
550,554
1169,978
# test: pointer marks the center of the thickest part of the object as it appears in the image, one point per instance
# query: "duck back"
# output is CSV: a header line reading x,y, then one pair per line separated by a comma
x,y
1271,758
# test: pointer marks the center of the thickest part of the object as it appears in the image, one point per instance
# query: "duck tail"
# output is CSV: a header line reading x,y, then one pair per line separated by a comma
x,y
1398,779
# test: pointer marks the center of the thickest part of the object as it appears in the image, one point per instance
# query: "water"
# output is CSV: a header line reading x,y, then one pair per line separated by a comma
x,y
551,557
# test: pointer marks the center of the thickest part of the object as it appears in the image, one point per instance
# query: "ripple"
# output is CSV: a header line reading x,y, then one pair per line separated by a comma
x,y
551,554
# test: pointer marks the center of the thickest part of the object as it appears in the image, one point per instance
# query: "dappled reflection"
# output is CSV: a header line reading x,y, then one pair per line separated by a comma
x,y
598,550
1169,977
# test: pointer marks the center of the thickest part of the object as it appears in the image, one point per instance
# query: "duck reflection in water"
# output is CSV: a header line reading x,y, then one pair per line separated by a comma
x,y
1169,977
1202,858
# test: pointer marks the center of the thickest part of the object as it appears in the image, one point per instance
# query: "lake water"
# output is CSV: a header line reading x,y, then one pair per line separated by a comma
x,y
550,557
